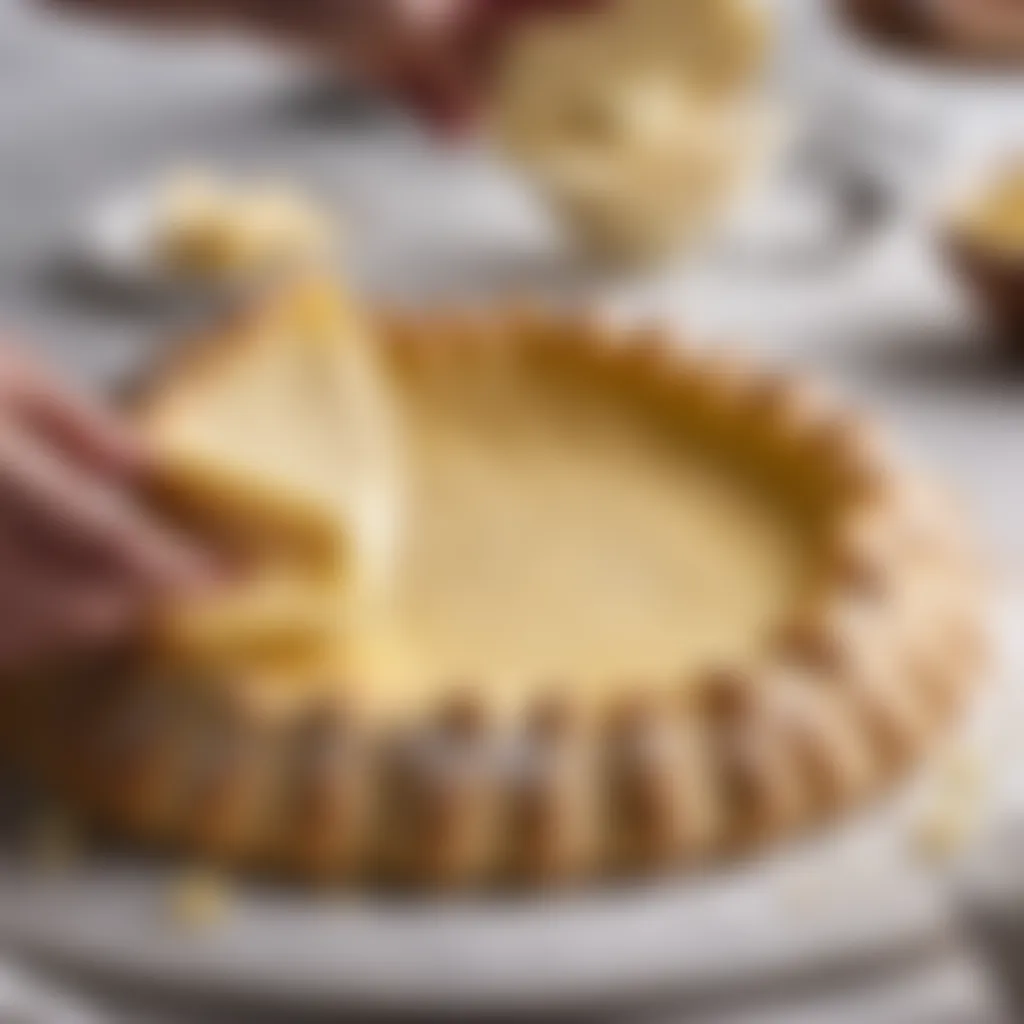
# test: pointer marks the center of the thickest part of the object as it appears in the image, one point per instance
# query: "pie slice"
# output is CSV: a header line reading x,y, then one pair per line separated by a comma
x,y
280,446
651,606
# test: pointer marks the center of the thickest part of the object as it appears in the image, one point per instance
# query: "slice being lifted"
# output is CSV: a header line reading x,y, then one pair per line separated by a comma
x,y
650,605
279,442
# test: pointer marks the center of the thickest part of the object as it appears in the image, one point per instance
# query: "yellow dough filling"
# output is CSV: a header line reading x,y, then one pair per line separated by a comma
x,y
488,519
559,535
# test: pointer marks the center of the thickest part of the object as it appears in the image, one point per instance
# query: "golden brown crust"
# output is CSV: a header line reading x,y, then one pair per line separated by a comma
x,y
862,679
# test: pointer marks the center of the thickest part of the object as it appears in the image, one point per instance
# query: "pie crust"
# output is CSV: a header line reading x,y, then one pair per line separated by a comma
x,y
856,680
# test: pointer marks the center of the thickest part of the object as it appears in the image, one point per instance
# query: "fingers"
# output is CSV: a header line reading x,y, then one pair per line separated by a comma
x,y
84,430
47,610
81,559
81,562
58,508
49,617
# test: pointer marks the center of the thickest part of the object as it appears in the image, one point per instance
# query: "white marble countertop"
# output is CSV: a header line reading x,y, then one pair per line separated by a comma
x,y
83,111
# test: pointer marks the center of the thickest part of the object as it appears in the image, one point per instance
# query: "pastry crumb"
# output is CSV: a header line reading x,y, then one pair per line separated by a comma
x,y
211,228
54,842
963,772
949,820
200,900
944,830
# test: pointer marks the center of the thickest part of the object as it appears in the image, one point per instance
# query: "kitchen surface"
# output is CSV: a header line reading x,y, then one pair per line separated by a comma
x,y
862,297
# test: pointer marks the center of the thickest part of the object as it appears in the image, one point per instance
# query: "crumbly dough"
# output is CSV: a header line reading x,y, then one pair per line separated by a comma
x,y
200,901
209,228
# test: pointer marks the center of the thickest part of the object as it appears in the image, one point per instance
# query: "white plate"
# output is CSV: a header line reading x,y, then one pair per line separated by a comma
x,y
756,926
853,897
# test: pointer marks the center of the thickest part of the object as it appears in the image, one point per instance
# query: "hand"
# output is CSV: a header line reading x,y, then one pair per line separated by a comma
x,y
434,53
80,559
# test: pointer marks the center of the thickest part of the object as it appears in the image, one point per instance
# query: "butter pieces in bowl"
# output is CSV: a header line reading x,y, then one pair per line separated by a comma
x,y
640,123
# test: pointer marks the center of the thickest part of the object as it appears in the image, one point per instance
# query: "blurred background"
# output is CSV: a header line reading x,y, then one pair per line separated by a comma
x,y
864,248
89,113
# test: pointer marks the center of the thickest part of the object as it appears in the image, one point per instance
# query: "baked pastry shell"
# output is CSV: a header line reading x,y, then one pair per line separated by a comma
x,y
867,674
